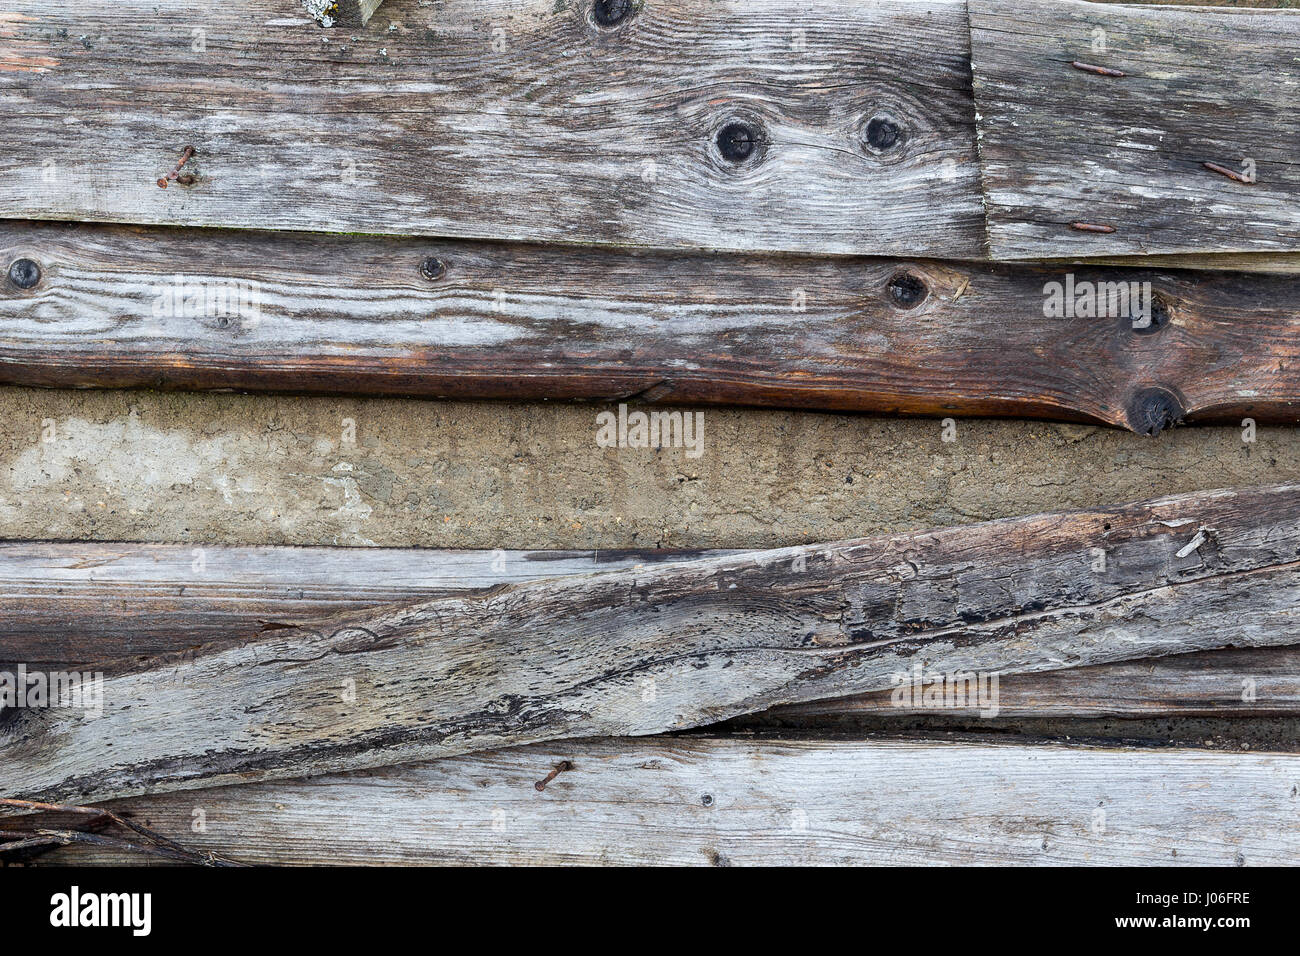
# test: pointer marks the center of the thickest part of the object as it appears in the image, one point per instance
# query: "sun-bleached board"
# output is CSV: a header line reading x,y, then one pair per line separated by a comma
x,y
1062,144
642,651
113,307
738,801
506,119
75,606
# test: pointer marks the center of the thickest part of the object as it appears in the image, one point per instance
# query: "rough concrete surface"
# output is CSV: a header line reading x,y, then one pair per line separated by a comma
x,y
155,466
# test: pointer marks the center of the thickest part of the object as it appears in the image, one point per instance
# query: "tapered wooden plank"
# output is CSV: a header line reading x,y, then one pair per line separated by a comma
x,y
642,651
112,306
74,606
66,605
735,801
507,119
1062,144
1254,682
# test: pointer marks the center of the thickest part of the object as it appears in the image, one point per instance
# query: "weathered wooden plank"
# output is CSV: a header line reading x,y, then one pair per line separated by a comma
x,y
67,605
1250,682
111,306
693,124
729,801
1063,144
77,605
647,650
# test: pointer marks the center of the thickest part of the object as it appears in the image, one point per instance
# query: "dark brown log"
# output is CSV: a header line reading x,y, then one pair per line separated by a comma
x,y
642,651
112,306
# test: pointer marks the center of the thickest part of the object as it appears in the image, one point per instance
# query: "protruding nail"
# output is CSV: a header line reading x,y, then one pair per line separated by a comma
x,y
1099,70
24,273
1091,227
1230,173
560,768
176,172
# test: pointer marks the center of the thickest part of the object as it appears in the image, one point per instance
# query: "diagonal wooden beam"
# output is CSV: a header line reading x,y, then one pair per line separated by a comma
x,y
75,606
642,651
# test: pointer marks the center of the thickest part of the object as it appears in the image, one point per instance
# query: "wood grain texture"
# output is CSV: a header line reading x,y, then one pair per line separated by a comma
x,y
94,605
643,651
119,307
1060,145
728,801
506,119
75,604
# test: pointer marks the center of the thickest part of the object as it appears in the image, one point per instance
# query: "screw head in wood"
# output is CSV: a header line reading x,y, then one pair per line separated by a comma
x,y
738,141
610,13
907,291
24,273
433,268
883,133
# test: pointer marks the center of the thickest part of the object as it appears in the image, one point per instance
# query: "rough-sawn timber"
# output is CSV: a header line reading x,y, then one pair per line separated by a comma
x,y
642,651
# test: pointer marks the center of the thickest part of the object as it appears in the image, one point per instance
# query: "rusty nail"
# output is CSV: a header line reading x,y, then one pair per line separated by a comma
x,y
176,173
560,767
1099,70
1230,173
1091,227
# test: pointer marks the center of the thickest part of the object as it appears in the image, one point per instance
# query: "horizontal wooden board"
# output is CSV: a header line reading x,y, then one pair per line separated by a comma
x,y
1063,144
116,306
506,119
728,801
642,651
67,606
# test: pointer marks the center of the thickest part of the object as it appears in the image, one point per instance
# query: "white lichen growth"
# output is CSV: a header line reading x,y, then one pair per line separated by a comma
x,y
322,11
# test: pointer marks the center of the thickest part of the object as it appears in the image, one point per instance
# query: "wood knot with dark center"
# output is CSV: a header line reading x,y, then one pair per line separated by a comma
x,y
883,133
907,291
433,268
738,141
24,273
610,13
1152,410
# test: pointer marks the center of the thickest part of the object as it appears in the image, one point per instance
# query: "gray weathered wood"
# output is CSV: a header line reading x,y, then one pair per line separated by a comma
x,y
114,307
647,650
729,801
1244,682
77,605
508,119
1061,145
